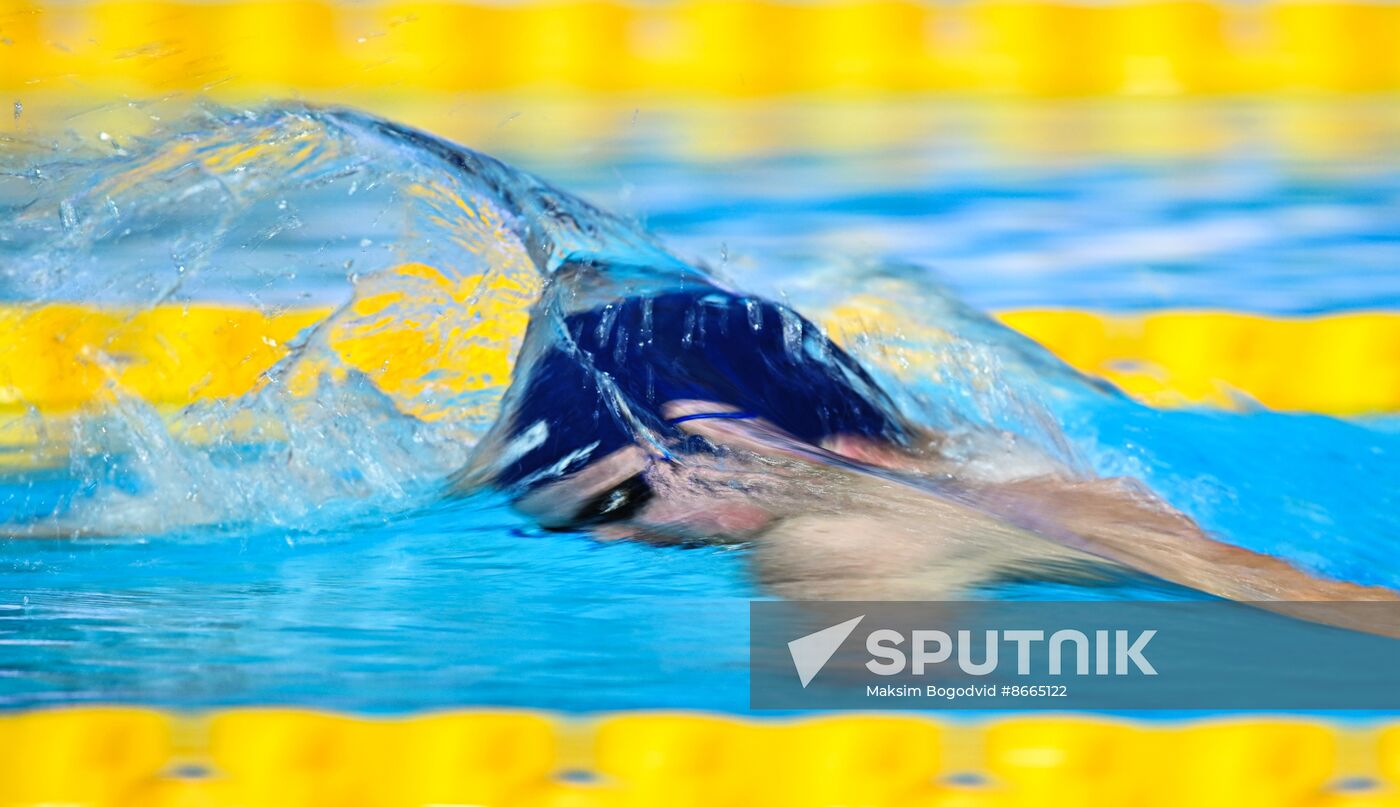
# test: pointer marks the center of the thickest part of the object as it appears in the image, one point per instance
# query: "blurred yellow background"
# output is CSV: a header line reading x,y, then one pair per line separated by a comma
x,y
728,47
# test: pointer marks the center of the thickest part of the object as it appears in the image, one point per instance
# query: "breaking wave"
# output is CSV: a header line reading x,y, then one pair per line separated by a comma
x,y
414,266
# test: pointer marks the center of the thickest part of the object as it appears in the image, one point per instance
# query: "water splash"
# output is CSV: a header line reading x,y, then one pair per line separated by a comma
x,y
274,211
428,260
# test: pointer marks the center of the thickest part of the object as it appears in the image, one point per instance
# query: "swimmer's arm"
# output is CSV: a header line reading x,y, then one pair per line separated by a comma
x,y
906,545
1117,520
938,550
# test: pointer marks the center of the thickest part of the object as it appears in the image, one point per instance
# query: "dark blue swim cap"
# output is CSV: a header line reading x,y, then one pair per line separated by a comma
x,y
589,393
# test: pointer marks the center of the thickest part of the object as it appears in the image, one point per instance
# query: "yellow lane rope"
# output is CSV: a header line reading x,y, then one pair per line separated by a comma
x,y
62,358
725,47
1343,364
284,757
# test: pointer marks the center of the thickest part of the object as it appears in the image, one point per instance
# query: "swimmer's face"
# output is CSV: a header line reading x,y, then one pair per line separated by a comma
x,y
632,494
699,496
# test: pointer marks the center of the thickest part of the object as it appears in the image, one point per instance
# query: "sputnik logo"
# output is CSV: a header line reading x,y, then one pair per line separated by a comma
x,y
811,652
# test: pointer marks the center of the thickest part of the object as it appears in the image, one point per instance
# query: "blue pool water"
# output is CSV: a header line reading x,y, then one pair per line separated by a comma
x,y
330,570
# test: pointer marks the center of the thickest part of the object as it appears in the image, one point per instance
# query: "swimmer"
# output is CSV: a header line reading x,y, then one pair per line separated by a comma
x,y
685,413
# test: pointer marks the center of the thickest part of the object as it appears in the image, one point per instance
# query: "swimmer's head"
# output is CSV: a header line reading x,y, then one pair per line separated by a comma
x,y
588,403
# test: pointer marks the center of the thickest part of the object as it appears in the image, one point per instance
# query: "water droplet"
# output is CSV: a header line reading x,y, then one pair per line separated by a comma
x,y
792,332
689,331
605,324
67,215
620,346
644,334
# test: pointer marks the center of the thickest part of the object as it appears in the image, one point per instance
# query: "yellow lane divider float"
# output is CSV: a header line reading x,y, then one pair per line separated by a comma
x,y
61,359
1342,364
271,757
728,47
